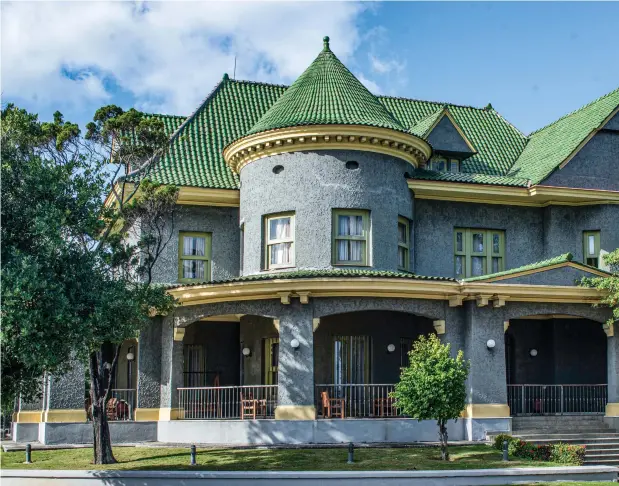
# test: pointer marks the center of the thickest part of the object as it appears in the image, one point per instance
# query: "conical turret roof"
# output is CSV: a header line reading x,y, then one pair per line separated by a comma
x,y
327,93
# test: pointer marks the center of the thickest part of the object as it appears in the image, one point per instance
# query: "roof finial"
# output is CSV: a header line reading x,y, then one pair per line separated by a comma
x,y
226,77
325,41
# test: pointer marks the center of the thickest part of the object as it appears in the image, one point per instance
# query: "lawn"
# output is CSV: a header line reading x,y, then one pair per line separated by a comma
x,y
219,459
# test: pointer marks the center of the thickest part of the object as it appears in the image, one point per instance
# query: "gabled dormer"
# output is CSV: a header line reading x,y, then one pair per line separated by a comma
x,y
451,145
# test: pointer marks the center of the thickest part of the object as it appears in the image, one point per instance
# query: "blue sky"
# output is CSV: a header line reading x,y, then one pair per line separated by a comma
x,y
533,61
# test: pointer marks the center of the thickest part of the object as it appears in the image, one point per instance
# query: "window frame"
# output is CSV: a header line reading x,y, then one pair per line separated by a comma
x,y
405,246
268,242
448,164
207,254
596,244
365,238
488,253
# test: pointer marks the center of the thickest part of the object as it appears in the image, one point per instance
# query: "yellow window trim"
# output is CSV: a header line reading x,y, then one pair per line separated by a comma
x,y
207,255
404,245
365,238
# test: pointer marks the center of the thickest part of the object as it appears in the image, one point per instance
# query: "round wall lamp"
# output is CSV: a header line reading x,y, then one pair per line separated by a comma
x,y
533,352
490,343
246,352
294,343
391,348
130,356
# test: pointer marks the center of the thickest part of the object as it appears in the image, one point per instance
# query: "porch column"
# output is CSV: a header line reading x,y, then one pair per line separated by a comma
x,y
612,353
486,407
64,399
295,392
149,372
171,368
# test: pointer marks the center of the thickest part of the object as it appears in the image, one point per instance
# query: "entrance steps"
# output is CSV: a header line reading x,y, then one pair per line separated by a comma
x,y
600,440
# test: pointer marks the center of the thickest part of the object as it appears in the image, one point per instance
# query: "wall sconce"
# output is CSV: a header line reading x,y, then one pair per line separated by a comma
x,y
391,348
130,356
246,352
294,343
533,352
490,343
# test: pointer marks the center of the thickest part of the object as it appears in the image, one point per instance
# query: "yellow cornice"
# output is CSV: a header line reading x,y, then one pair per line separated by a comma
x,y
405,146
523,273
537,196
190,196
453,291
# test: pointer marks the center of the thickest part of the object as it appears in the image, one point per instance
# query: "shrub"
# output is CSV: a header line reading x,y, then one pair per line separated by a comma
x,y
567,454
499,439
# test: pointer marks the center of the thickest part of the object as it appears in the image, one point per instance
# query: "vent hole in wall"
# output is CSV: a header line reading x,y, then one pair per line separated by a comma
x,y
277,169
407,175
352,165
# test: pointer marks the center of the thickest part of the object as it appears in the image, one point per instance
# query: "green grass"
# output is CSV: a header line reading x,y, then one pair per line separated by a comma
x,y
219,459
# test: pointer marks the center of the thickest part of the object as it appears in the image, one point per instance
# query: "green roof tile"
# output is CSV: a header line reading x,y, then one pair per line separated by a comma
x,y
327,93
548,147
335,273
462,177
422,127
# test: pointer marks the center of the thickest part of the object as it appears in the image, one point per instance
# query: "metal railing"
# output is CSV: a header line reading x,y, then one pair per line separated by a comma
x,y
227,402
121,405
353,400
557,399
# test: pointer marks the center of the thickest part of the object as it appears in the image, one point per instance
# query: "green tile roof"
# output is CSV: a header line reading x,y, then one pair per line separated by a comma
x,y
566,257
422,127
462,177
335,273
327,93
170,122
548,147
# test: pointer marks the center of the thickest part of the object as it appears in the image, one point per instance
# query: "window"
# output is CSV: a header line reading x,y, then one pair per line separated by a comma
x,y
271,360
444,164
279,231
194,256
351,359
478,252
403,243
591,242
194,366
350,237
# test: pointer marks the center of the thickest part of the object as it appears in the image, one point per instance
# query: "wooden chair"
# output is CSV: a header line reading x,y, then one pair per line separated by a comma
x,y
251,407
117,410
213,407
332,407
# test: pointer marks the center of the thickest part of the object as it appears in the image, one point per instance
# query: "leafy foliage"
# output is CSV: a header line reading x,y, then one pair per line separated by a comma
x,y
432,387
75,285
609,285
560,453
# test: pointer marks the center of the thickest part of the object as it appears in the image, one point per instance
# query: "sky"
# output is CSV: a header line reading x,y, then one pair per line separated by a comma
x,y
533,61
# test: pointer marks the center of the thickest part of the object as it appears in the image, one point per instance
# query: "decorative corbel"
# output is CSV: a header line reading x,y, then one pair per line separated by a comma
x,y
609,329
315,323
179,333
439,326
303,296
455,300
284,297
482,300
505,326
276,324
498,301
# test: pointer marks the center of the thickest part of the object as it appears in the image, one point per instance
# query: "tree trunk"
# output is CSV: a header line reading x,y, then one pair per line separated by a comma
x,y
101,374
442,434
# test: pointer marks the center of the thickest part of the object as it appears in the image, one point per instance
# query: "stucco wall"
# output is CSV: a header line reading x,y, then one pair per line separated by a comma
x,y
595,166
223,223
149,365
557,276
446,137
434,233
312,184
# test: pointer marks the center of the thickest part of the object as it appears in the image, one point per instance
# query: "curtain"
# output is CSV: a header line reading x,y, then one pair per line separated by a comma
x,y
279,228
281,253
349,251
194,246
194,269
350,225
477,264
351,360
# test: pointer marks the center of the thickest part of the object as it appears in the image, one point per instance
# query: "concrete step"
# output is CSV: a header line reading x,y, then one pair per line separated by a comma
x,y
574,430
610,446
584,436
585,442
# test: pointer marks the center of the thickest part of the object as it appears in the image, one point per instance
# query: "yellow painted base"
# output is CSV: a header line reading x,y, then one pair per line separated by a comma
x,y
612,409
169,413
28,417
146,414
67,415
486,410
295,412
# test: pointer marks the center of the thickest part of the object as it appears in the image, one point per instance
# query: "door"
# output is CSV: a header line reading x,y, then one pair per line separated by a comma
x,y
270,359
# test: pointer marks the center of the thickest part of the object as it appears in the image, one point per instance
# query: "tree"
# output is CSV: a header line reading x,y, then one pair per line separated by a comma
x,y
609,285
432,387
74,286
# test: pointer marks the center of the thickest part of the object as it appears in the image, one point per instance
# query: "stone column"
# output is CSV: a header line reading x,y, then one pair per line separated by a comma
x,y
171,368
487,407
295,392
612,353
64,399
149,372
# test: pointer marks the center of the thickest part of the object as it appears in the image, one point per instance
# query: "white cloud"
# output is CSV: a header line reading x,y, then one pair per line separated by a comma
x,y
168,55
369,84
383,66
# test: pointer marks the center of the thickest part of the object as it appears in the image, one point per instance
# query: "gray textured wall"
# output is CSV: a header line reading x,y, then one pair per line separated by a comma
x,y
149,365
312,185
434,228
595,166
223,223
171,365
612,360
68,391
564,225
446,137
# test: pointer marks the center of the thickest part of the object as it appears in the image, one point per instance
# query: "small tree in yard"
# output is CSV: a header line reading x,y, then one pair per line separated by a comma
x,y
609,285
432,387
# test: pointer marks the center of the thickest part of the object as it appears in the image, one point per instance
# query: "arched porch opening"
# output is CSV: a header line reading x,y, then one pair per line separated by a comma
x,y
357,360
556,365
